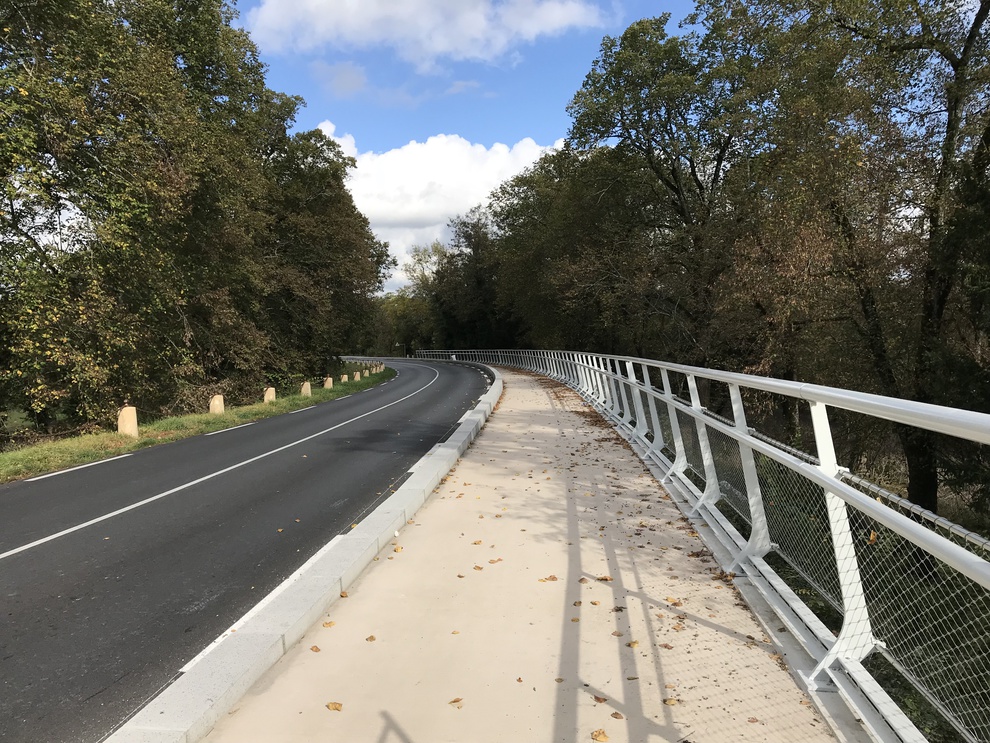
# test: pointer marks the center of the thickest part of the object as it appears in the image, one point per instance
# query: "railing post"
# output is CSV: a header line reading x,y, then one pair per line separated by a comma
x,y
855,640
641,426
759,542
712,490
679,464
658,440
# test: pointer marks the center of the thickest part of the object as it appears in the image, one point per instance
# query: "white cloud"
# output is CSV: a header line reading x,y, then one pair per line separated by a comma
x,y
410,193
420,31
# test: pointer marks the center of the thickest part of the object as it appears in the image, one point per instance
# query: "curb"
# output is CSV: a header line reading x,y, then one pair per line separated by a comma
x,y
188,709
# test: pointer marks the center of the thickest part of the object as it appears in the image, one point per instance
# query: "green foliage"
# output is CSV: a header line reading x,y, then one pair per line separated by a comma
x,y
162,235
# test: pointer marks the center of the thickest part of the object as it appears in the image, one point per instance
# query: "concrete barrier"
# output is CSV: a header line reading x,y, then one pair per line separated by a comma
x,y
127,422
328,383
343,377
216,404
306,390
269,394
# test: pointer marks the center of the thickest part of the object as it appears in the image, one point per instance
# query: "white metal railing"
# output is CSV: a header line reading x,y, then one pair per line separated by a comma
x,y
905,584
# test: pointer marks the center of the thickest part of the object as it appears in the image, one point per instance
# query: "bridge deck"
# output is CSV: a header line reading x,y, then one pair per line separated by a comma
x,y
547,592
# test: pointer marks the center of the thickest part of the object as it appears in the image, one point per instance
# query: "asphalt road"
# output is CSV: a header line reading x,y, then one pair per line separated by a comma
x,y
101,606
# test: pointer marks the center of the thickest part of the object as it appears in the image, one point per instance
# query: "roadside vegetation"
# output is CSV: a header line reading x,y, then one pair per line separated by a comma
x,y
51,456
797,190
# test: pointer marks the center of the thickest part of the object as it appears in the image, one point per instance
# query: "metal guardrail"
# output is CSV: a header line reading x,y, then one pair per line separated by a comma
x,y
908,586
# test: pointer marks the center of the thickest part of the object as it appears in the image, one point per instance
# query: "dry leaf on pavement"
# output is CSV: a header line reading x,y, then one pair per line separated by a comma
x,y
599,736
601,700
315,648
456,702
370,638
328,625
335,706
618,716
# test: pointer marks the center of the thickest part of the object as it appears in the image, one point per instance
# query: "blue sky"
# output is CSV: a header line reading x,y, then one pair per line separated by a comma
x,y
438,100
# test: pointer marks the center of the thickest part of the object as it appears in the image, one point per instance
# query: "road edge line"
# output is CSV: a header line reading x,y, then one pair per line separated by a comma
x,y
188,709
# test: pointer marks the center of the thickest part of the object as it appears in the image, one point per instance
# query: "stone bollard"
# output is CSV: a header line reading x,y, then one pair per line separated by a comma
x,y
306,390
269,394
216,405
127,422
366,373
343,377
328,383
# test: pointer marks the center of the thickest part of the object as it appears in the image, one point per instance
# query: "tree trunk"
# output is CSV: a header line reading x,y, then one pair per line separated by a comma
x,y
922,464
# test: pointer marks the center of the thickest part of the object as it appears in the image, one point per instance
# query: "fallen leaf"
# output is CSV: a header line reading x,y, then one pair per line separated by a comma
x,y
297,521
618,716
752,719
670,686
604,578
632,644
315,648
577,603
670,701
335,706
595,603
599,736
457,702
459,575
666,646
805,702
631,678
550,579
476,541
478,567
582,580
455,632
519,679
328,625
617,633
343,594
481,516
575,619
280,531
495,562
369,638
601,700
559,680
398,549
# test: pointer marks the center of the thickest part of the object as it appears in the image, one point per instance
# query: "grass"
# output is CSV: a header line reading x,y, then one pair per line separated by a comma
x,y
52,456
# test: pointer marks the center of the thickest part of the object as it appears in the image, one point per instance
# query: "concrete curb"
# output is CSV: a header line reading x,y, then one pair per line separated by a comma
x,y
187,710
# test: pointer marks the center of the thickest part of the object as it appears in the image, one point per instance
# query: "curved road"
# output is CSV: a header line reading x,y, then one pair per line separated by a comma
x,y
112,577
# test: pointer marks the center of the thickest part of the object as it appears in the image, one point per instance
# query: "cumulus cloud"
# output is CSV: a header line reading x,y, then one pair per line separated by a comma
x,y
409,194
420,31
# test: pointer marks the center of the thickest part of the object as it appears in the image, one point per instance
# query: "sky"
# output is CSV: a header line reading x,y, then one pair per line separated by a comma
x,y
439,101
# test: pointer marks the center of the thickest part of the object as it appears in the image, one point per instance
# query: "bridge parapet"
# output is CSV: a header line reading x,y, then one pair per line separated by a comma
x,y
870,585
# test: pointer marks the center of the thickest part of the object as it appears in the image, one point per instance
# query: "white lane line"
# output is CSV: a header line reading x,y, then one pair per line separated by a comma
x,y
260,605
232,428
344,397
146,501
292,412
73,469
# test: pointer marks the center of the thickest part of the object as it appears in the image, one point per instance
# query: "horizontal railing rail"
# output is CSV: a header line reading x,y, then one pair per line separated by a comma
x,y
876,589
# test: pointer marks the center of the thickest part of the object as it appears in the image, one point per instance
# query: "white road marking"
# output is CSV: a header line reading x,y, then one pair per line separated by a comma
x,y
300,410
232,428
73,469
119,511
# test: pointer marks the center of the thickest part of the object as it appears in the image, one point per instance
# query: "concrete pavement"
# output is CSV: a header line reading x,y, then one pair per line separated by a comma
x,y
549,591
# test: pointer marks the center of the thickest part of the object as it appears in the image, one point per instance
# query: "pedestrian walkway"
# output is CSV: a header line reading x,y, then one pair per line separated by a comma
x,y
549,591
